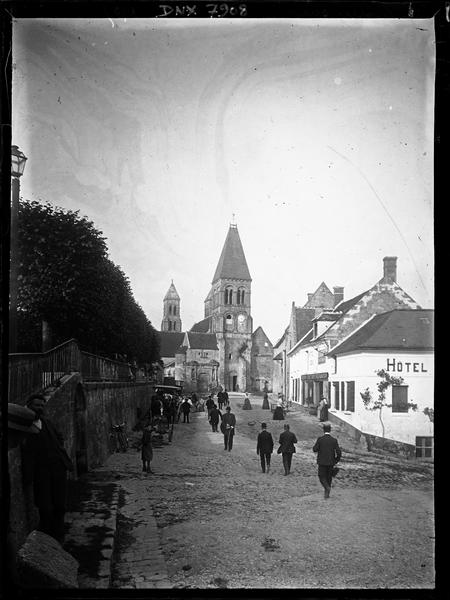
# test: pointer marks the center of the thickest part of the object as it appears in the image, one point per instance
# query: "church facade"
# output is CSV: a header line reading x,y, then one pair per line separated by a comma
x,y
241,360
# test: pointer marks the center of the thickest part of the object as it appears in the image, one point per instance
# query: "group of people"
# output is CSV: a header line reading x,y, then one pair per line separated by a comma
x,y
326,447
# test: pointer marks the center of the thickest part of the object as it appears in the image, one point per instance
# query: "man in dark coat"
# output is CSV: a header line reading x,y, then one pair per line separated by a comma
x,y
214,417
328,454
185,409
220,399
227,427
45,464
287,448
264,447
226,399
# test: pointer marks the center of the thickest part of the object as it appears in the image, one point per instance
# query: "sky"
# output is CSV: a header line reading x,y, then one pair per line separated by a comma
x,y
315,136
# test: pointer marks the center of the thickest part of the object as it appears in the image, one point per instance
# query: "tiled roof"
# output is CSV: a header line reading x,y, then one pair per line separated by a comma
x,y
401,329
346,305
170,342
202,326
202,341
303,317
232,263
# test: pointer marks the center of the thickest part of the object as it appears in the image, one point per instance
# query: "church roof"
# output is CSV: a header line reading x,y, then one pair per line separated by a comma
x,y
170,342
202,326
232,263
172,293
202,341
400,329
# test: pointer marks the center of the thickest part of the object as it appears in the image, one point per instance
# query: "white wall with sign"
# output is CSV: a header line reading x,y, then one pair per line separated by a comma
x,y
417,371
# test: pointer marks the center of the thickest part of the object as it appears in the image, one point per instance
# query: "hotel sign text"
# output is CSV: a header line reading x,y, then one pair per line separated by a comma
x,y
397,366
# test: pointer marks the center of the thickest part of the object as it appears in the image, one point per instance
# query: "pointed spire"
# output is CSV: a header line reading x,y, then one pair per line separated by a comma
x,y
232,263
172,293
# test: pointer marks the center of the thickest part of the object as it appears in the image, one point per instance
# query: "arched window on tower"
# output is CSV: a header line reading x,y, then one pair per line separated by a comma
x,y
170,309
240,296
228,295
170,325
174,310
229,322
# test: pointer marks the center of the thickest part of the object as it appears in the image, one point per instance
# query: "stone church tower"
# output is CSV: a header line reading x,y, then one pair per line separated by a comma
x,y
171,311
228,309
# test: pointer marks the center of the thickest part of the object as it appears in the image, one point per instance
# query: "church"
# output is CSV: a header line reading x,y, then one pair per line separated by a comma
x,y
222,349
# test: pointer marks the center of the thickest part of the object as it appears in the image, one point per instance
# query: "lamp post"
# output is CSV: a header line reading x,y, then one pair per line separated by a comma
x,y
18,160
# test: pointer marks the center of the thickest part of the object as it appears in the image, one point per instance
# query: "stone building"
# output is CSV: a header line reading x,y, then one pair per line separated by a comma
x,y
197,362
309,358
299,324
171,336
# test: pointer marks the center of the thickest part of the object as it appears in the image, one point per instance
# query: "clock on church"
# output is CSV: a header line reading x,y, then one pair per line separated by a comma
x,y
241,322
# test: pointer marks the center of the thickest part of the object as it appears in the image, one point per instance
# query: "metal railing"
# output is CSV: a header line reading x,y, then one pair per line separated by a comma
x,y
34,372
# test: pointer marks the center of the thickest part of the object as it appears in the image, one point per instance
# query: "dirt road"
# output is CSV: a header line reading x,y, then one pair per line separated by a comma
x,y
223,523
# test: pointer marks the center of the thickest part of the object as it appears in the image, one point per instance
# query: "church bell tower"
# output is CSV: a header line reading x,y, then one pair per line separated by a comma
x,y
171,311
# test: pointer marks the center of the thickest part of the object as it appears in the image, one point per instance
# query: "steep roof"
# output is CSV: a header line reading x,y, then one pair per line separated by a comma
x,y
202,341
259,330
346,305
400,329
303,318
170,342
202,326
232,263
172,293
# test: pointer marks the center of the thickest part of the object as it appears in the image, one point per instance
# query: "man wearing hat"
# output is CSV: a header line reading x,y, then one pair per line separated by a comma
x,y
45,464
328,454
264,447
227,427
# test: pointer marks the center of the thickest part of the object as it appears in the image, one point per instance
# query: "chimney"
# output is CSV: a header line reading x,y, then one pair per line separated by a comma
x,y
338,295
390,268
310,297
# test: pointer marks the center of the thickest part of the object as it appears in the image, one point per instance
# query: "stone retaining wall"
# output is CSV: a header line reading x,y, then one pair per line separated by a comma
x,y
84,413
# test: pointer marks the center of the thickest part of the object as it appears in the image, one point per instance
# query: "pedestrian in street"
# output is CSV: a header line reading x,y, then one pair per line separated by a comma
x,y
278,413
45,465
155,406
287,448
328,454
147,448
185,409
323,410
264,447
228,428
209,405
226,398
247,404
220,399
214,417
265,404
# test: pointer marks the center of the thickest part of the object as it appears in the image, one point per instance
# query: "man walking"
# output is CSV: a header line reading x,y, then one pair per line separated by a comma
x,y
185,409
214,417
226,398
287,448
220,399
45,464
328,454
227,427
264,447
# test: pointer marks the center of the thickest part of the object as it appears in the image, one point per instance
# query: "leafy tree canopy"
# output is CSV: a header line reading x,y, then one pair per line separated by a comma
x,y
66,278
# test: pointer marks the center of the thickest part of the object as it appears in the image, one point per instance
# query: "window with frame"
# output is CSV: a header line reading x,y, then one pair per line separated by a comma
x,y
336,394
342,395
174,310
170,309
351,396
229,322
424,447
170,325
228,295
399,398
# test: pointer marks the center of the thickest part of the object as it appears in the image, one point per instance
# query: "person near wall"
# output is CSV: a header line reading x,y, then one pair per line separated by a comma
x,y
228,428
147,448
278,413
287,448
323,410
328,454
45,465
264,447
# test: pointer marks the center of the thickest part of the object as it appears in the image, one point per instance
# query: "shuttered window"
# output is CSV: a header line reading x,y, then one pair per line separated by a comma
x,y
351,396
399,398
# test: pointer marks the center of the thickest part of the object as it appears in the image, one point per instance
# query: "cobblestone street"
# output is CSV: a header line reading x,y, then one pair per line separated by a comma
x,y
208,518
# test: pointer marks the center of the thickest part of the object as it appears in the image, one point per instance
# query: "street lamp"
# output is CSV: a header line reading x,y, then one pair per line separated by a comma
x,y
18,160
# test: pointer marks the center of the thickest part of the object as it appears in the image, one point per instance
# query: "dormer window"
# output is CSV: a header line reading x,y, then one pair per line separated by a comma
x,y
228,295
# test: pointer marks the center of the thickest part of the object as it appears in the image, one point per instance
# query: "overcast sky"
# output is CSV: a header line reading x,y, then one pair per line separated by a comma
x,y
316,134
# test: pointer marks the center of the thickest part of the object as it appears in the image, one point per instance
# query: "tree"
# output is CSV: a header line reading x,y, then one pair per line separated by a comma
x,y
387,380
67,279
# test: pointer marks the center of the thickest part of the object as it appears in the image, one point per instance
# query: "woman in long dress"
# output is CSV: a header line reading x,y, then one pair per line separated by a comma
x,y
323,413
147,449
